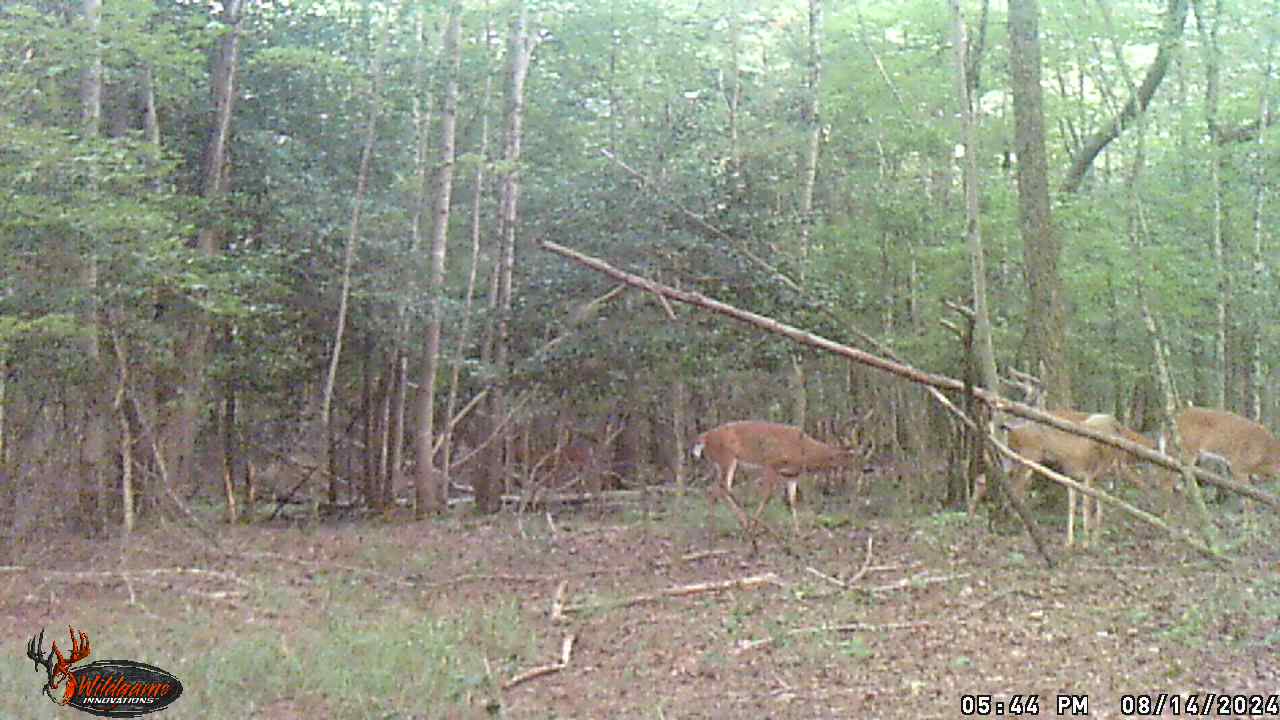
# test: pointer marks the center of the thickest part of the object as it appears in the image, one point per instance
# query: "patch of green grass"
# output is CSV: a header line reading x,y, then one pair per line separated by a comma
x,y
366,666
343,663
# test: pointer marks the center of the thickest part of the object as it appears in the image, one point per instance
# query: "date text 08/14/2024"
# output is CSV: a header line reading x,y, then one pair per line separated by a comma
x,y
1137,705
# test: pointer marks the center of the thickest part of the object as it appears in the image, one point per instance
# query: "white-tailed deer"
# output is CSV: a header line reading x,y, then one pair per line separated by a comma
x,y
782,450
1077,456
1247,447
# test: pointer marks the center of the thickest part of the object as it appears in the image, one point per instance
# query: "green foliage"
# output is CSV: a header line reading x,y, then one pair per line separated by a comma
x,y
678,197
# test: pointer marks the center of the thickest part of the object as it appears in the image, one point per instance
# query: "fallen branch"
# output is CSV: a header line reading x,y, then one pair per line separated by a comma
x,y
844,584
859,627
907,372
566,653
131,574
746,583
866,564
1000,596
750,645
833,580
916,581
702,555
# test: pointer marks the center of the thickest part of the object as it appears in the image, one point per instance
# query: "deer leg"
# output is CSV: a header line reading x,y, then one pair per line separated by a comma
x,y
792,486
1097,515
1088,506
770,480
726,488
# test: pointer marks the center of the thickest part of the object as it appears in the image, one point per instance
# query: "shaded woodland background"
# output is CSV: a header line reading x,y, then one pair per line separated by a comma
x,y
287,251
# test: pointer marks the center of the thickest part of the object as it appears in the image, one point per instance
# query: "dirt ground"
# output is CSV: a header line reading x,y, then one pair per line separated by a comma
x,y
655,616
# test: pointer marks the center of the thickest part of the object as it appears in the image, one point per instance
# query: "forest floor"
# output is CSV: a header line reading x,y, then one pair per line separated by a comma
x,y
645,612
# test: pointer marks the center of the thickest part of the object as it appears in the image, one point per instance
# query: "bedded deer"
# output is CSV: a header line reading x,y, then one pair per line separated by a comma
x,y
782,450
1077,456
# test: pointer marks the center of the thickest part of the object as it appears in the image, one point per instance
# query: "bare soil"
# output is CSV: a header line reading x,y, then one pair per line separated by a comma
x,y
860,616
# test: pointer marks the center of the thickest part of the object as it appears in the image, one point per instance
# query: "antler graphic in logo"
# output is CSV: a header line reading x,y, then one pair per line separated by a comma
x,y
61,669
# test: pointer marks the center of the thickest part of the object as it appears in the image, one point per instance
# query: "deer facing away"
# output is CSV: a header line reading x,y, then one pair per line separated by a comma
x,y
1079,457
782,450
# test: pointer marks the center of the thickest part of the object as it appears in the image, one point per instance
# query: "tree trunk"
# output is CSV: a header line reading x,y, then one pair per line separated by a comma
x,y
1258,276
94,475
813,121
477,204
214,183
349,255
422,111
519,52
431,488
983,347
1212,55
1046,325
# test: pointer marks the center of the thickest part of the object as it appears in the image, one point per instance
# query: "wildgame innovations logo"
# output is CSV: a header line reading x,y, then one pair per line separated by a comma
x,y
107,688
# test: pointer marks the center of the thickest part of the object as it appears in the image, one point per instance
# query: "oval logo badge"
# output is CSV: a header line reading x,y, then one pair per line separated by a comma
x,y
123,688
106,688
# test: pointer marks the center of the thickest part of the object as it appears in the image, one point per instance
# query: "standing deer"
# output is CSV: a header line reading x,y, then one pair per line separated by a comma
x,y
1077,456
782,450
1247,447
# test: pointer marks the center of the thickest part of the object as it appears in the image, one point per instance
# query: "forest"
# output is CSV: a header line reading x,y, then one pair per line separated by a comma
x,y
436,299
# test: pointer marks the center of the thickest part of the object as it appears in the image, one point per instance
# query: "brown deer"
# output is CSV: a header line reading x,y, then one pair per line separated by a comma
x,y
1077,456
1248,448
782,450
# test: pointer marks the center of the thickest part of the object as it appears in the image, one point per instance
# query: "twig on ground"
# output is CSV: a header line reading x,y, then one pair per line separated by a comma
x,y
833,580
745,583
750,645
1001,596
846,584
916,581
566,653
557,602
480,577
702,555
866,564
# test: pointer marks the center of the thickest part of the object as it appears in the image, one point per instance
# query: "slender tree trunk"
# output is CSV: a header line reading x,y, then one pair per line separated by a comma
x,y
94,474
519,54
432,486
422,112
1212,55
808,182
214,185
120,406
732,91
230,451
983,346
680,429
1257,375
477,203
349,256
392,478
813,120
1046,326
369,398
